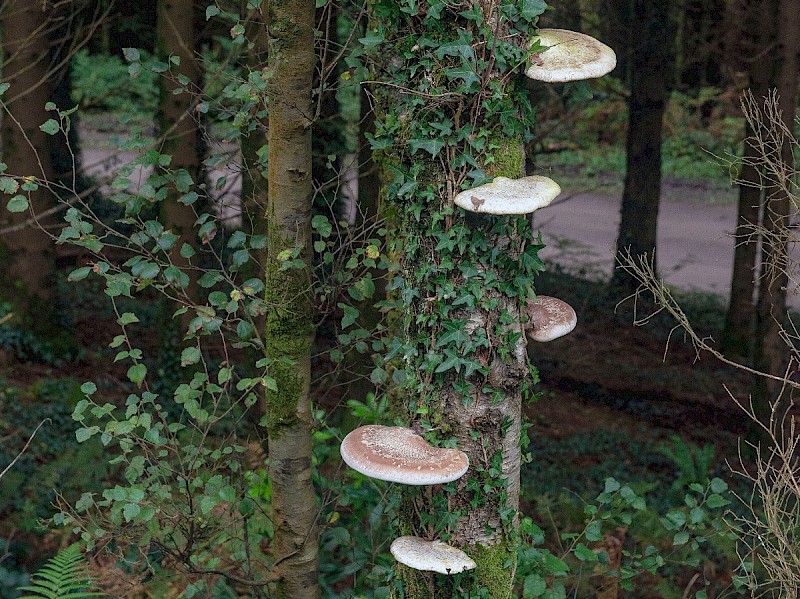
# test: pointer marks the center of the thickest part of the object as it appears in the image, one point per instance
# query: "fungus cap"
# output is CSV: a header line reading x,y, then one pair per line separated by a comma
x,y
400,455
549,318
509,196
433,556
569,56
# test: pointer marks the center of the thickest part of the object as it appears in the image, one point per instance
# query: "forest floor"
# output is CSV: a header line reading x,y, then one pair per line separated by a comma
x,y
610,398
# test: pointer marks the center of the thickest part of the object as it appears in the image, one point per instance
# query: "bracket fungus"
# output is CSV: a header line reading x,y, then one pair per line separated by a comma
x,y
549,318
432,556
400,455
509,196
569,56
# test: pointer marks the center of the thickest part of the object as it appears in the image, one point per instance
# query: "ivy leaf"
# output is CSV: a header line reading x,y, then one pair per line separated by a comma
x,y
532,8
464,72
373,38
432,146
350,315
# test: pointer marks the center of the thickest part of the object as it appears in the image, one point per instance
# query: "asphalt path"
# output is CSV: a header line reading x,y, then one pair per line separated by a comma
x,y
695,235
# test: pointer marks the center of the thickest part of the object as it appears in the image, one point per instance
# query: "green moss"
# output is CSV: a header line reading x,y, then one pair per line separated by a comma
x,y
289,327
495,567
509,158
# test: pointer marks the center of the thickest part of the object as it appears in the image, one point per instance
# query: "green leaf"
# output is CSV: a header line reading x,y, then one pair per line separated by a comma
x,y
534,586
350,315
680,538
4,87
532,9
50,126
130,511
584,554
18,203
88,388
127,318
83,434
8,185
190,355
212,11
131,54
136,374
79,274
432,146
718,485
716,500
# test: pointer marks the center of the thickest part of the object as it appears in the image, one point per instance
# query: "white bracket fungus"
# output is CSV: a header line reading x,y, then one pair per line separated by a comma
x,y
509,196
569,56
549,318
400,455
432,556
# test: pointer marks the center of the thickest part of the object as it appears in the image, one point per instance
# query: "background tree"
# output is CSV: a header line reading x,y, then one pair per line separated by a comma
x,y
771,316
751,52
28,266
651,56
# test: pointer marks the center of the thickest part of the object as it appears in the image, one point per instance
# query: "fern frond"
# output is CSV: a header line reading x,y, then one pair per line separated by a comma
x,y
63,577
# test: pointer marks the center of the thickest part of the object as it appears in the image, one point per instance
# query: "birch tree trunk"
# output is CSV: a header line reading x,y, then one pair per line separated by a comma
x,y
451,112
289,323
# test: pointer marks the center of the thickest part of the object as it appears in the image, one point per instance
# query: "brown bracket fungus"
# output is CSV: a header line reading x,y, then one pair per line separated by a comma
x,y
432,556
509,196
549,318
400,455
569,56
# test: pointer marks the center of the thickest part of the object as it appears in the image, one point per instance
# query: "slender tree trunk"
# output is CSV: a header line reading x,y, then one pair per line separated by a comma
x,y
289,322
753,56
652,71
28,264
771,351
177,120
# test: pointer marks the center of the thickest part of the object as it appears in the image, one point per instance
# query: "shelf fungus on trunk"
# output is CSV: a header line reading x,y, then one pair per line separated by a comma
x,y
509,196
432,556
400,455
549,318
569,56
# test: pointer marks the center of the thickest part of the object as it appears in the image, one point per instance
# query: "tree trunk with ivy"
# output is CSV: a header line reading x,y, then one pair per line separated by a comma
x,y
451,115
28,263
289,318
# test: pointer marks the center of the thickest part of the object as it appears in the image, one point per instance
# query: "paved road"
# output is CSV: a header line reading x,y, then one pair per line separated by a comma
x,y
695,245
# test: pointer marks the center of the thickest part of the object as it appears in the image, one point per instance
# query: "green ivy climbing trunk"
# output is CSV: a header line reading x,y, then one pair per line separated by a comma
x,y
289,323
452,114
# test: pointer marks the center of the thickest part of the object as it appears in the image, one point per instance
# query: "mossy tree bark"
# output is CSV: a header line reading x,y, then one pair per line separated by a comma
x,y
289,322
28,264
452,113
180,130
652,65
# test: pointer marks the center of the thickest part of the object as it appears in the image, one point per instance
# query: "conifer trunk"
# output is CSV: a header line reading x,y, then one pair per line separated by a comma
x,y
28,262
652,64
289,323
771,351
177,121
